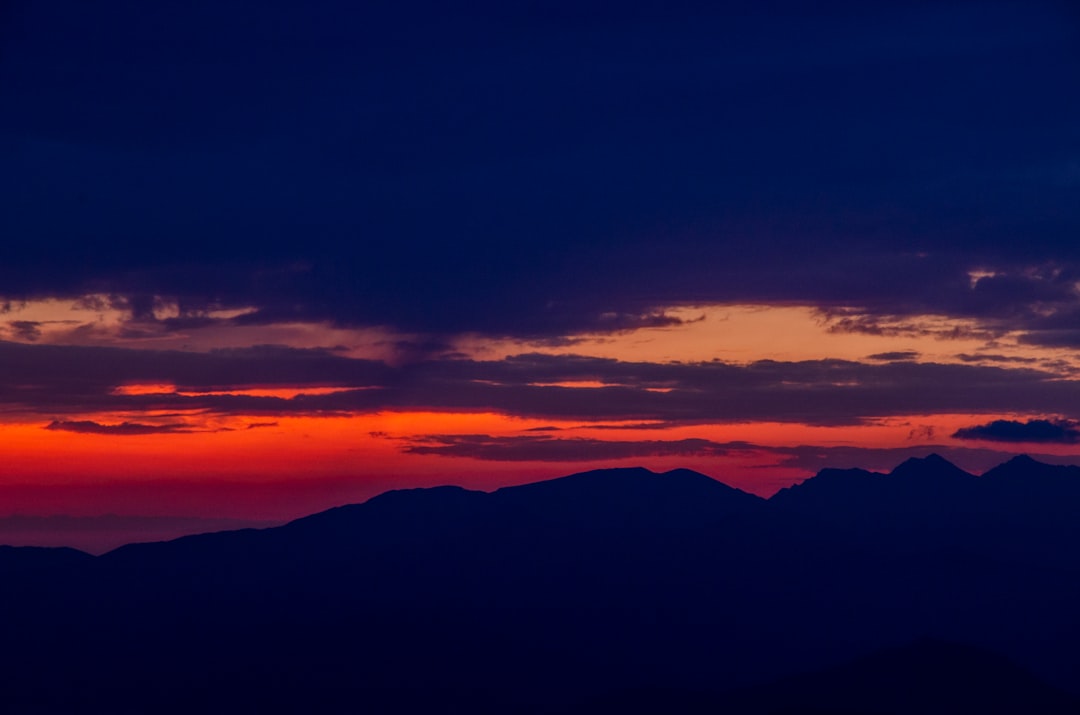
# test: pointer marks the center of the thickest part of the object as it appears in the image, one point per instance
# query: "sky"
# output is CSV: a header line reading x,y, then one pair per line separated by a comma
x,y
258,259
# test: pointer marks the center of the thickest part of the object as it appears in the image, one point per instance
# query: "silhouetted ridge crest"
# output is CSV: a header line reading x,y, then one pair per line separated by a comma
x,y
932,467
1022,461
1024,467
681,497
398,503
916,489
830,487
615,484
589,584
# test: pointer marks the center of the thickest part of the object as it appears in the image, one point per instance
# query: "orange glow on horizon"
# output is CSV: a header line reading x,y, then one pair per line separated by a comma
x,y
743,333
369,446
351,456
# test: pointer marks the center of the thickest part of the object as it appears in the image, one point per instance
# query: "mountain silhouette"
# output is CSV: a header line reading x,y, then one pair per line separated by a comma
x,y
635,490
916,488
532,598
1028,483
930,470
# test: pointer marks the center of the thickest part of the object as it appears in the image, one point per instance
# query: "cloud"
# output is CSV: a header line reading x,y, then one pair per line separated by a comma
x,y
90,369
616,322
549,449
894,356
921,433
995,358
1059,338
26,329
124,429
630,182
893,326
1034,431
57,380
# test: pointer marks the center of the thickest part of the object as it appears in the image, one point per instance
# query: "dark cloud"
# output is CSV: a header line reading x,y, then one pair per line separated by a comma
x,y
613,322
550,449
894,356
193,322
123,429
995,358
1034,431
655,425
888,326
541,169
923,433
59,380
1062,338
413,350
79,368
26,329
820,392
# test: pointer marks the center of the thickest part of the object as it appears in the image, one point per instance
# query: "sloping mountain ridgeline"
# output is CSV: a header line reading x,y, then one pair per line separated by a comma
x,y
683,592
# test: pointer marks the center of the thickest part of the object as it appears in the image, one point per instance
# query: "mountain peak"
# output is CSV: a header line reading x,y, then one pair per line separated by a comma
x,y
1023,468
630,490
829,487
932,466
611,481
933,459
1020,465
1023,460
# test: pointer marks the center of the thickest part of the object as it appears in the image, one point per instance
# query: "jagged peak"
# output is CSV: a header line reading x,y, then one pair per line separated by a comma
x,y
1023,466
1020,464
610,476
829,477
1023,460
932,459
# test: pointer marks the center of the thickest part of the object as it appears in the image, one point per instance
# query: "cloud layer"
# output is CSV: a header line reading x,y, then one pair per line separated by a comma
x,y
48,379
545,170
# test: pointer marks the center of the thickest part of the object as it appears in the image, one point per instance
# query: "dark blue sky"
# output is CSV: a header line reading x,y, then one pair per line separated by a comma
x,y
524,168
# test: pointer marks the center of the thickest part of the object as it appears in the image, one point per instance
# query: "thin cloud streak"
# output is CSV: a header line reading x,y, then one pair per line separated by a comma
x,y
124,429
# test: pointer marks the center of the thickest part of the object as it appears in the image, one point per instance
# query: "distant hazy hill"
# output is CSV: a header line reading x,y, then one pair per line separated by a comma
x,y
533,598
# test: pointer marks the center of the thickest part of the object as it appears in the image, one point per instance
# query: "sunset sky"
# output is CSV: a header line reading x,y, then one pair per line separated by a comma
x,y
259,259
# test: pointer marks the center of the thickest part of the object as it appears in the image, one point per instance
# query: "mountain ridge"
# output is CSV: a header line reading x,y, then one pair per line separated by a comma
x,y
830,487
553,592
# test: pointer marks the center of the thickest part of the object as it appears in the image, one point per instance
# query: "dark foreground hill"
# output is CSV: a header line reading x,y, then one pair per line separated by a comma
x,y
532,598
